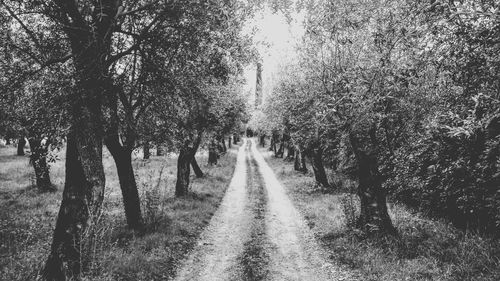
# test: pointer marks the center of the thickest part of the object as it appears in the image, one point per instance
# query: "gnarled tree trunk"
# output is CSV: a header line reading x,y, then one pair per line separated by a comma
x,y
38,159
82,196
186,156
83,193
316,156
374,217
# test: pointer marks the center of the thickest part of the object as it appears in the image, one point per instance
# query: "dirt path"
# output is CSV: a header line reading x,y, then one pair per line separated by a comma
x,y
257,234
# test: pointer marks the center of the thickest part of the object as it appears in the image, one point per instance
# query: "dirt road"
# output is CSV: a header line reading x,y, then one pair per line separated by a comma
x,y
257,234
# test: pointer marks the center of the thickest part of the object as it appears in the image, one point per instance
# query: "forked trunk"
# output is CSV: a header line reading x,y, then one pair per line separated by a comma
x,y
196,168
84,181
186,156
38,159
374,217
319,168
20,146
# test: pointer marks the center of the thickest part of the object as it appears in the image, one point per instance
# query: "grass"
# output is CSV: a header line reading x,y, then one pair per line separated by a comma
x,y
173,225
425,249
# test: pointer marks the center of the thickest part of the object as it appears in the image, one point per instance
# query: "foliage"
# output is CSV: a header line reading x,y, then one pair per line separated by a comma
x,y
415,83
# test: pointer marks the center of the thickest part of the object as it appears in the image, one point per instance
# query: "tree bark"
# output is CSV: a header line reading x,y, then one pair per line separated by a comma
x,y
90,43
300,161
145,150
186,156
38,159
196,168
374,218
20,146
212,153
130,195
290,152
82,199
318,167
229,142
159,150
281,150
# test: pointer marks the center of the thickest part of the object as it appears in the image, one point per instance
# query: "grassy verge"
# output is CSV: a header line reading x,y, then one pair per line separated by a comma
x,y
425,250
173,225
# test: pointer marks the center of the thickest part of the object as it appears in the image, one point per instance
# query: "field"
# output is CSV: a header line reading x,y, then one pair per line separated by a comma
x,y
425,249
173,225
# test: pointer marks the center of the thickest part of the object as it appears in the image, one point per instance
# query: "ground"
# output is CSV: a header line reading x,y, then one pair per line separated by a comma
x,y
250,218
257,234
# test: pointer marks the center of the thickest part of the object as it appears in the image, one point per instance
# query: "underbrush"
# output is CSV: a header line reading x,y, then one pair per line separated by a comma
x,y
424,249
110,250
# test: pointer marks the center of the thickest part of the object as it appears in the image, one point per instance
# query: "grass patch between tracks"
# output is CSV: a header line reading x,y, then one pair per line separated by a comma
x,y
173,225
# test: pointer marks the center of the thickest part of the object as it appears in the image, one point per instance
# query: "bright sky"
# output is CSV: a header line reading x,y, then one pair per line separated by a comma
x,y
276,40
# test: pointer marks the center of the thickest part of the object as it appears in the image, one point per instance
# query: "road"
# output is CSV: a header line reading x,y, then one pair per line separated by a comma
x,y
257,234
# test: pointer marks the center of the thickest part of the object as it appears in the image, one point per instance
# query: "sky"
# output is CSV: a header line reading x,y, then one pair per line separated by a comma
x,y
275,40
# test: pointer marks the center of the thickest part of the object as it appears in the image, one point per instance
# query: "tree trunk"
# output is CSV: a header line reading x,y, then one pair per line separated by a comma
x,y
290,152
374,217
281,150
83,193
196,168
7,141
212,153
38,159
318,168
130,195
81,203
145,150
223,143
20,146
159,150
186,156
300,161
262,140
229,142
